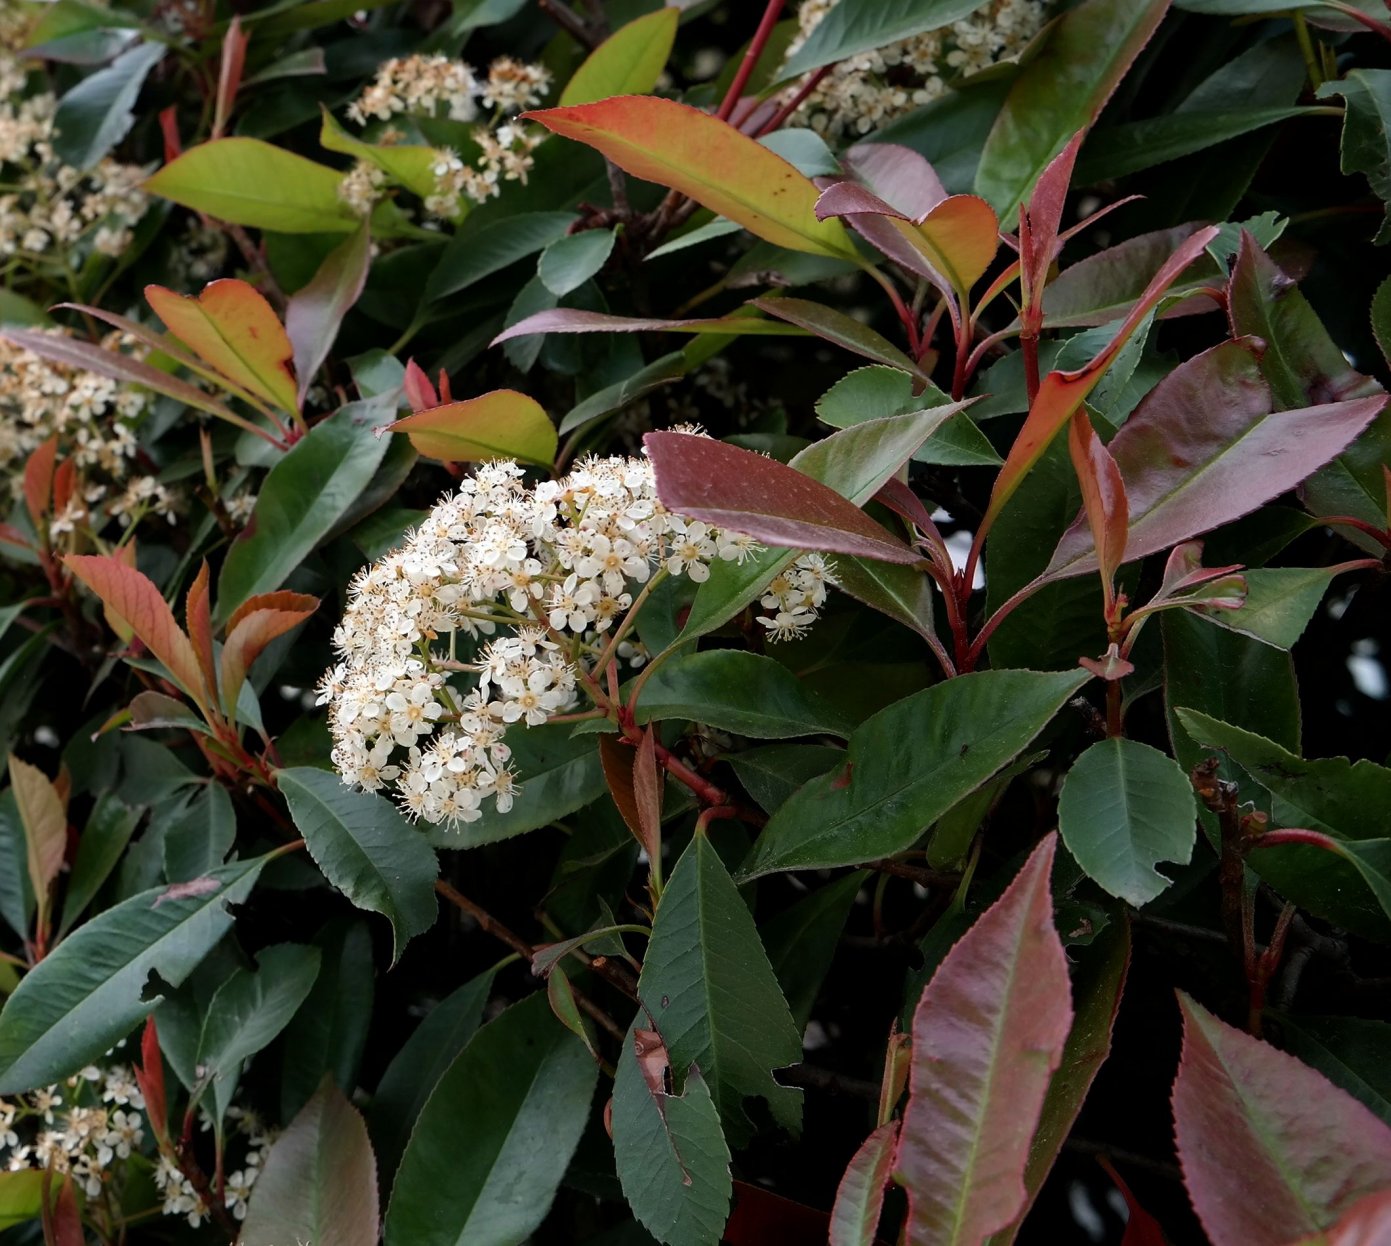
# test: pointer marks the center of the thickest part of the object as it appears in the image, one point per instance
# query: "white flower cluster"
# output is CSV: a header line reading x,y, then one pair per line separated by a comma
x,y
558,566
50,213
95,420
869,90
88,1126
432,86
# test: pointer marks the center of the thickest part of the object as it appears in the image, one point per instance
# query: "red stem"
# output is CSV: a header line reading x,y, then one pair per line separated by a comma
x,y
1029,343
1298,835
746,68
797,100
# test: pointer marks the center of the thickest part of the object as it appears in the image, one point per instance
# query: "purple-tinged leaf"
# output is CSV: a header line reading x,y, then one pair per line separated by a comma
x,y
1103,497
860,1195
572,320
988,1035
320,1179
745,492
898,175
74,353
845,331
1062,393
315,312
1271,1150
1038,229
1204,448
1098,981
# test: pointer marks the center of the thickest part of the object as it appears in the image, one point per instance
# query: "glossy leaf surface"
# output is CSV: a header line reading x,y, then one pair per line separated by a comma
x,y
628,62
500,424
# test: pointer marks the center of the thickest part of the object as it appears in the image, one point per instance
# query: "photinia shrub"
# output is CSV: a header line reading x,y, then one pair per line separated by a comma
x,y
699,623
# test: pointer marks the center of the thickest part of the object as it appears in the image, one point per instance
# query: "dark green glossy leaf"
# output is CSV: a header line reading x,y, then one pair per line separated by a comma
x,y
708,988
558,774
802,941
1349,1051
1279,603
836,327
99,847
1124,808
1381,318
569,262
671,1155
475,253
1079,62
97,113
302,499
847,30
495,1136
417,1067
908,765
90,991
365,848
772,773
198,836
1367,131
743,693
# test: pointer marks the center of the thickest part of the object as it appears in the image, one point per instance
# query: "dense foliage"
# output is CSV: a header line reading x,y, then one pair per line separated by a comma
x,y
724,622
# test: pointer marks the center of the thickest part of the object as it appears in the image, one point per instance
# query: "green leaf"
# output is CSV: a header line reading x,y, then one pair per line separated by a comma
x,y
709,990
1279,603
319,1181
499,424
328,1033
569,262
1125,807
661,371
1332,795
199,834
407,164
909,764
1349,1051
628,62
245,181
1367,132
849,29
1077,64
366,849
802,941
558,774
743,693
475,253
837,327
1381,318
772,773
90,990
99,847
249,1010
671,1155
301,501
493,1142
97,113
417,1067
21,1196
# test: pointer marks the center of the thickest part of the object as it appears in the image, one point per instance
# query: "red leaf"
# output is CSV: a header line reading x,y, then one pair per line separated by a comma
x,y
745,492
617,761
647,795
860,1195
1367,1224
149,1076
136,603
169,126
707,160
38,480
835,326
315,311
64,482
419,392
199,621
1063,392
500,424
987,1035
229,74
1103,498
1204,448
1038,230
45,825
281,599
760,1217
67,1219
254,630
1270,1149
1141,1229
232,327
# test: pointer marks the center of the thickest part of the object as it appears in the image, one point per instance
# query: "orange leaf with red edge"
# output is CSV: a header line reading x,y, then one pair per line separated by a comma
x,y
253,632
707,160
38,479
1103,496
1061,393
282,599
45,824
503,424
134,602
198,619
232,327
